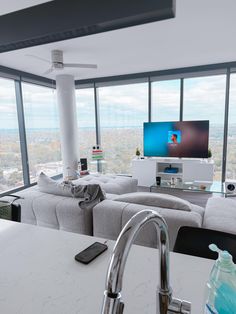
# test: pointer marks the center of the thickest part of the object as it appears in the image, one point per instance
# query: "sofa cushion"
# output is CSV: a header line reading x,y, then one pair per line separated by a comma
x,y
220,214
110,183
155,199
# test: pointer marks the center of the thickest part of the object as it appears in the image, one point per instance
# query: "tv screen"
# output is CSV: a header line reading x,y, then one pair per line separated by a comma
x,y
176,139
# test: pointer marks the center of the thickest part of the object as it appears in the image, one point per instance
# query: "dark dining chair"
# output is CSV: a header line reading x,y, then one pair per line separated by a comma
x,y
195,241
10,210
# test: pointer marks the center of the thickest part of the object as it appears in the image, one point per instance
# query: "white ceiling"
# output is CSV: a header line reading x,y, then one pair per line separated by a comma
x,y
203,32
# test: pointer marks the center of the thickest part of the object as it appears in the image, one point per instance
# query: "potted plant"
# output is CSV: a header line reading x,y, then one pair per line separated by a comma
x,y
209,154
137,153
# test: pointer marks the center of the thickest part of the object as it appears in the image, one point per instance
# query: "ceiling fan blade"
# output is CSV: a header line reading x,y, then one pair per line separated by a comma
x,y
80,65
48,71
38,58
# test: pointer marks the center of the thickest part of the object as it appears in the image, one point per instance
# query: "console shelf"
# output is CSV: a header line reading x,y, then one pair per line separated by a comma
x,y
146,170
179,174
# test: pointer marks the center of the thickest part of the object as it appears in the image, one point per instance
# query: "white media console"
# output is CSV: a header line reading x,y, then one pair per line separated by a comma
x,y
146,170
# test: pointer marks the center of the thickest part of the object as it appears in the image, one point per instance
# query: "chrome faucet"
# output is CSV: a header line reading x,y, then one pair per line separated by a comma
x,y
112,303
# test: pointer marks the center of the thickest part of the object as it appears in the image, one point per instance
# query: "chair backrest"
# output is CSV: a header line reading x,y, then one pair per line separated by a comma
x,y
10,210
195,241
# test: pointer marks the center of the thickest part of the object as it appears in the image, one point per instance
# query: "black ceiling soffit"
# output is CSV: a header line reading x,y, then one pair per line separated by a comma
x,y
64,19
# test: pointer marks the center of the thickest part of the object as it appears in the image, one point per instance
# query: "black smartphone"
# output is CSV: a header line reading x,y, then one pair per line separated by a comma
x,y
90,253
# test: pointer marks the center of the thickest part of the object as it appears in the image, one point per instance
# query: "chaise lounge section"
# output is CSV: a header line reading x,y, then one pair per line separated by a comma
x,y
110,216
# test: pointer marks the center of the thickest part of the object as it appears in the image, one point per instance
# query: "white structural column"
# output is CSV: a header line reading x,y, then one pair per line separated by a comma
x,y
65,85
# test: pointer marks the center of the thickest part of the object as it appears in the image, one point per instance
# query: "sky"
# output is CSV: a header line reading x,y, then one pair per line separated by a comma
x,y
124,105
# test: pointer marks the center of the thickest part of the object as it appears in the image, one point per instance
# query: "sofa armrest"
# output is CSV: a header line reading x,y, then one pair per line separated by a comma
x,y
107,219
220,214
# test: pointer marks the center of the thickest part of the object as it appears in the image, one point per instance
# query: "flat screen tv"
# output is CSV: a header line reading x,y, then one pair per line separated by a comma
x,y
176,139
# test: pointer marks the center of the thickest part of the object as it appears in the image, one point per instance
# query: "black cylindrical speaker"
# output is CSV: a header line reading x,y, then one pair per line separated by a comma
x,y
158,180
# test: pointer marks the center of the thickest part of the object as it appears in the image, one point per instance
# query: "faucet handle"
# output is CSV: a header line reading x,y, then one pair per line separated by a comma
x,y
179,306
185,307
120,308
174,306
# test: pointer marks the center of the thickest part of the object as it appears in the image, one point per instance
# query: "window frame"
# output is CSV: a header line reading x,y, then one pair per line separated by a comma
x,y
178,73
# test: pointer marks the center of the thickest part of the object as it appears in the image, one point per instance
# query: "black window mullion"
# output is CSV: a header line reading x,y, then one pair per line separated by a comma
x,y
97,122
181,110
22,133
149,100
226,118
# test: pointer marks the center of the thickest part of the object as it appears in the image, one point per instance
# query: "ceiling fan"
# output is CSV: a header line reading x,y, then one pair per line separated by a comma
x,y
58,64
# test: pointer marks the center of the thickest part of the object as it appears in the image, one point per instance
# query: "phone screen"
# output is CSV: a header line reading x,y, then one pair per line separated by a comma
x,y
91,252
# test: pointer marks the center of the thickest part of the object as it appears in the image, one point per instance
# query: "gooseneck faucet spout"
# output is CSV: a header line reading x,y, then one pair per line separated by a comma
x,y
112,303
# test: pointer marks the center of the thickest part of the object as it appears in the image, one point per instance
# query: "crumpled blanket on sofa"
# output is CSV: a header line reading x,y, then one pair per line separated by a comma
x,y
92,194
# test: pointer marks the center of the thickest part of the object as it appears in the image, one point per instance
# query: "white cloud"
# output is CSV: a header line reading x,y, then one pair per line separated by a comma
x,y
132,97
203,98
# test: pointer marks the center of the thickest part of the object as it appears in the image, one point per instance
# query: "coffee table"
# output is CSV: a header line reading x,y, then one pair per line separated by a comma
x,y
195,186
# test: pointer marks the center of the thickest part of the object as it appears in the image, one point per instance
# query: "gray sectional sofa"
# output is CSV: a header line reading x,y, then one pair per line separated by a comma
x,y
107,218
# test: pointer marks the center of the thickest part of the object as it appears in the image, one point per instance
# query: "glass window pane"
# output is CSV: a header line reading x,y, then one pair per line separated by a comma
x,y
166,100
204,99
42,130
86,123
123,109
231,155
11,175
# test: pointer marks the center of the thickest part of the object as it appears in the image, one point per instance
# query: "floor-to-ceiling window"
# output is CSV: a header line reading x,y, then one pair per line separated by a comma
x,y
11,175
42,130
231,150
166,100
123,109
204,99
85,107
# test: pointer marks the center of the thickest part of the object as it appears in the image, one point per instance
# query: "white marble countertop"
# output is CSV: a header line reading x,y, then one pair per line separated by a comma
x,y
38,274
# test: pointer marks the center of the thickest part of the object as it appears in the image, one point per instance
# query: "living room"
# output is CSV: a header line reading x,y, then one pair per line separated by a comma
x,y
63,100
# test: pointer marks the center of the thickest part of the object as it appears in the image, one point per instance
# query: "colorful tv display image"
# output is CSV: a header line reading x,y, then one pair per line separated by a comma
x,y
176,139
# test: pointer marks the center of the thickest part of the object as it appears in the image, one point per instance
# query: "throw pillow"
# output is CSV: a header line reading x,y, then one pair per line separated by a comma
x,y
155,199
48,185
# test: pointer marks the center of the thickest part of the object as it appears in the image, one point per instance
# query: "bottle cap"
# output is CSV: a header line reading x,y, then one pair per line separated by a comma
x,y
224,259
